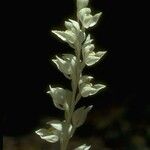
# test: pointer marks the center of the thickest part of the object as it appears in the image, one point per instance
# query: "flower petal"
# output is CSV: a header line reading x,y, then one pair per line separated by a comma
x,y
79,115
67,64
87,19
60,96
91,58
75,24
83,147
67,36
85,79
95,19
89,47
83,12
56,124
88,40
50,136
89,89
68,25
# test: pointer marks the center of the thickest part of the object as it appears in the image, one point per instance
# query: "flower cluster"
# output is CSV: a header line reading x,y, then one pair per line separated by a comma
x,y
72,66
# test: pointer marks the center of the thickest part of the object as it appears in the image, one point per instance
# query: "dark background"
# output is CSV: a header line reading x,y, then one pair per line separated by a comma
x,y
29,47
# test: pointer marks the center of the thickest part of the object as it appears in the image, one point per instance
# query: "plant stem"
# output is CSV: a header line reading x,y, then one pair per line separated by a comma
x,y
64,144
68,116
78,70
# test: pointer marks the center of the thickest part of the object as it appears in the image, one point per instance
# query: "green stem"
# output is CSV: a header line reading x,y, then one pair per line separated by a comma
x,y
68,115
75,81
64,144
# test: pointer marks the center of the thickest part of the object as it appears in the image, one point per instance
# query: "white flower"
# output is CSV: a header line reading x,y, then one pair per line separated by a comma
x,y
66,64
87,88
61,97
87,41
79,115
67,36
87,19
90,89
56,124
72,25
89,56
72,34
48,135
63,128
